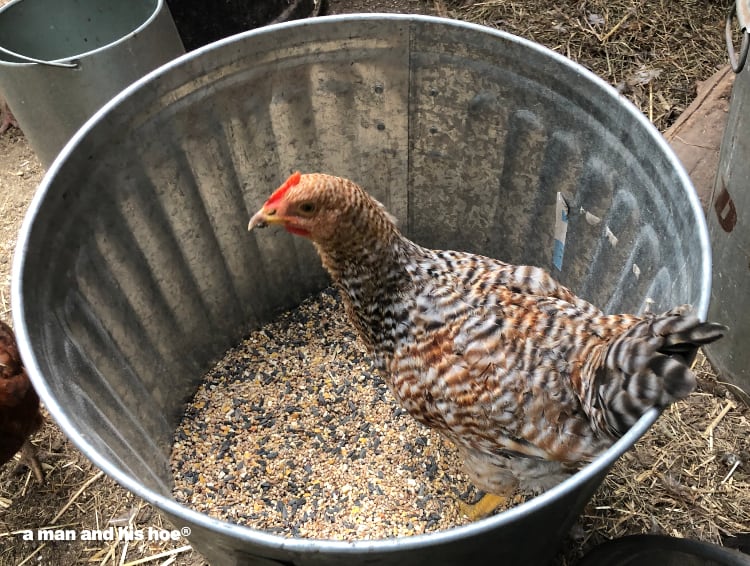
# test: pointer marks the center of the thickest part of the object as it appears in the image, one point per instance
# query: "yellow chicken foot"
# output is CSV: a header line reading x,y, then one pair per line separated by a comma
x,y
484,507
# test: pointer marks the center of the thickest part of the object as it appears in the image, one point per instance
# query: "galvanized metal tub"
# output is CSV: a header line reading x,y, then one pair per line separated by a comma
x,y
61,60
729,229
134,270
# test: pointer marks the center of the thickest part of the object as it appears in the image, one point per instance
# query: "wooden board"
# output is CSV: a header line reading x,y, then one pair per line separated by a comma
x,y
696,135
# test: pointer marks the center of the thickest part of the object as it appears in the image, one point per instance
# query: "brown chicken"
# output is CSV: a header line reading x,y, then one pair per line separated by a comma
x,y
528,381
19,406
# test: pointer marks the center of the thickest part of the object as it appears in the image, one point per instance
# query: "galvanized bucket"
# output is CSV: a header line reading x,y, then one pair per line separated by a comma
x,y
61,60
729,224
475,139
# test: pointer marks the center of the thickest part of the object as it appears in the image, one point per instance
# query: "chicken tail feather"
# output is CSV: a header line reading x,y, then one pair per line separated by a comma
x,y
649,366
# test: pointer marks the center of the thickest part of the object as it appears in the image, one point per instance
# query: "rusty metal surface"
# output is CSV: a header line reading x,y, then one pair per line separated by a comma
x,y
134,270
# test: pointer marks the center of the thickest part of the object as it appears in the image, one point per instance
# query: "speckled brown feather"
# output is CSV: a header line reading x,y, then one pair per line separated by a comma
x,y
19,403
528,380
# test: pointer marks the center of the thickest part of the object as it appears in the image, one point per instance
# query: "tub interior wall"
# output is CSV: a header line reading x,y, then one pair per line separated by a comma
x,y
464,139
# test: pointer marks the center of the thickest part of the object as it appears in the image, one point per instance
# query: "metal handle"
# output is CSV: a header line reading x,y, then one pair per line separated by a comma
x,y
737,64
72,64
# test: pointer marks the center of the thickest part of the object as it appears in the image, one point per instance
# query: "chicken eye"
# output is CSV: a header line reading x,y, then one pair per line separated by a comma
x,y
307,207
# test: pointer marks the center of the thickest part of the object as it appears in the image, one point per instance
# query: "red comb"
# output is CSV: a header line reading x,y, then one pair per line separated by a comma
x,y
288,184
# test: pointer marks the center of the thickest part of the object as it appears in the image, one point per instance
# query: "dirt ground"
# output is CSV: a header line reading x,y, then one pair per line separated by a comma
x,y
75,494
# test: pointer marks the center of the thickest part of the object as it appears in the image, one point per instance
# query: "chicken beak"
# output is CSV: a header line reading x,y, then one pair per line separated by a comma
x,y
264,217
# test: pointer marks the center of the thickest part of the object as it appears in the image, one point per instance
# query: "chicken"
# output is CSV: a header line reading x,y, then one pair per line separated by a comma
x,y
19,406
7,119
528,381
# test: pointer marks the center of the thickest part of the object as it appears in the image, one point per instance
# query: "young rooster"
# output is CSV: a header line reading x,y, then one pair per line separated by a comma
x,y
528,381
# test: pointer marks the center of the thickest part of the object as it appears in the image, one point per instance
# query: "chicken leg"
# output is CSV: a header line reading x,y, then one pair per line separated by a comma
x,y
29,458
7,120
484,507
